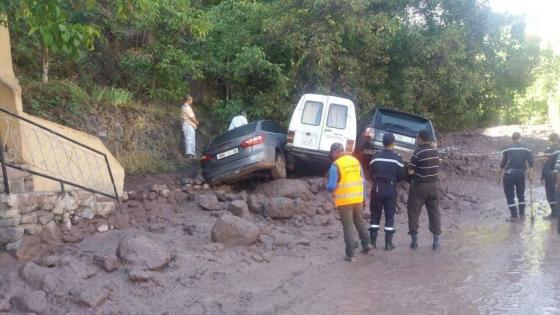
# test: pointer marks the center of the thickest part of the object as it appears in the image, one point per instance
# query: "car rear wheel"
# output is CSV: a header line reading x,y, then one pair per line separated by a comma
x,y
279,169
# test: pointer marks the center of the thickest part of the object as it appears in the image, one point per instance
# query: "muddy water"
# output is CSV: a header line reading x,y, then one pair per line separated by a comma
x,y
492,267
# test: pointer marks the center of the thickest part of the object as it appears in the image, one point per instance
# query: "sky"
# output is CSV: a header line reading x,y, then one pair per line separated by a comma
x,y
542,18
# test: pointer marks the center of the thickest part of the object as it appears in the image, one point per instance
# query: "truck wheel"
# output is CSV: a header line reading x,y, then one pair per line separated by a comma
x,y
279,169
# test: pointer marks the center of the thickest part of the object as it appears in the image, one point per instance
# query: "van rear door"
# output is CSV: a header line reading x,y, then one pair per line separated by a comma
x,y
307,122
339,125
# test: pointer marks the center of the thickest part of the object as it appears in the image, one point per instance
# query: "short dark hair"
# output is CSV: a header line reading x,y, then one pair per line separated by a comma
x,y
515,136
425,135
388,139
553,137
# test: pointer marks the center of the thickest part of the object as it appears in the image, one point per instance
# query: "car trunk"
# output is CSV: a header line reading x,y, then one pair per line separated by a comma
x,y
227,147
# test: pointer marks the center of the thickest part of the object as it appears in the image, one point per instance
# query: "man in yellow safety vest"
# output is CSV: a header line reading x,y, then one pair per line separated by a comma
x,y
346,182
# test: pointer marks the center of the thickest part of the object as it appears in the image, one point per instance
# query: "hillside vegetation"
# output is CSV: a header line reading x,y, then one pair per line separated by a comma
x,y
455,61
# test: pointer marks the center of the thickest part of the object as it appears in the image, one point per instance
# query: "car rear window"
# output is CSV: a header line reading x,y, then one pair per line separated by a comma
x,y
312,113
401,122
236,133
270,126
337,116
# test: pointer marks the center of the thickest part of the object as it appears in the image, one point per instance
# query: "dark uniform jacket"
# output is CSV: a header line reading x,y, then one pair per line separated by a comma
x,y
552,153
387,167
425,164
516,157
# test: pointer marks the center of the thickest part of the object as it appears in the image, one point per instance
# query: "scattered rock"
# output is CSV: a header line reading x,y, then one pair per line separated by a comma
x,y
35,301
103,228
34,275
198,181
289,188
197,187
239,208
181,196
232,230
158,188
10,234
125,197
109,263
152,195
279,208
320,220
87,213
165,193
14,246
133,195
76,267
303,242
187,181
208,202
205,186
143,252
4,304
221,195
214,247
258,258
314,188
138,275
255,204
189,229
92,297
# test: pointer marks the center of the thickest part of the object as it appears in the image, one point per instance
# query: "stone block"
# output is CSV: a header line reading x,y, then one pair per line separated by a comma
x,y
10,234
10,222
8,213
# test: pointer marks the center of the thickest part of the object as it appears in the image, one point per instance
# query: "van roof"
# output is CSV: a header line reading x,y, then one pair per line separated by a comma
x,y
321,97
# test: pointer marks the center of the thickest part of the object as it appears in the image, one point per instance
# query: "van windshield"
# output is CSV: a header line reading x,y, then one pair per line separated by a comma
x,y
401,123
312,112
337,116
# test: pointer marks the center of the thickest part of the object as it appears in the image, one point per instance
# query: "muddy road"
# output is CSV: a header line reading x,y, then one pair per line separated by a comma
x,y
161,259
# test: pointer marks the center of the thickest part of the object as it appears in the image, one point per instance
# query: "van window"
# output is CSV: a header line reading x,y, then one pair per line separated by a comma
x,y
312,112
337,116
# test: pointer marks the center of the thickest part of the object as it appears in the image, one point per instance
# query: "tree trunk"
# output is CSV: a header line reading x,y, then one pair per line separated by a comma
x,y
45,65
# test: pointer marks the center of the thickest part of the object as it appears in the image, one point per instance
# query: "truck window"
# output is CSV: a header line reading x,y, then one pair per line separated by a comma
x,y
312,113
400,122
338,114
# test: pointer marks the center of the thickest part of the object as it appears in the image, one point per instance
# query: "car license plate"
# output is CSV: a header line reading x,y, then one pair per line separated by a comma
x,y
405,139
227,153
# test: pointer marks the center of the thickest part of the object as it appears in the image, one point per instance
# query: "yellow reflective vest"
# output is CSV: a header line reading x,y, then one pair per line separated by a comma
x,y
350,187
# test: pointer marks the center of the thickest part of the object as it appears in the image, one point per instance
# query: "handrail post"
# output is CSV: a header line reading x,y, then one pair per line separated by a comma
x,y
4,169
112,179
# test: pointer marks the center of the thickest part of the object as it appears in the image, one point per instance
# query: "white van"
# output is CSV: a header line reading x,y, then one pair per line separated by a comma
x,y
317,122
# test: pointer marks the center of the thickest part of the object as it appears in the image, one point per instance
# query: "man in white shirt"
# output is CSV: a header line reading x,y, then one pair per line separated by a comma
x,y
190,123
238,121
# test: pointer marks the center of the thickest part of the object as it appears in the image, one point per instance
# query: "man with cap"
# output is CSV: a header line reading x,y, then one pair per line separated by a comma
x,y
515,159
387,169
424,170
547,176
346,182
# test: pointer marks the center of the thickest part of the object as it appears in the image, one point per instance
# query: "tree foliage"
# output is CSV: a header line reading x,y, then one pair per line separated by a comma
x,y
454,60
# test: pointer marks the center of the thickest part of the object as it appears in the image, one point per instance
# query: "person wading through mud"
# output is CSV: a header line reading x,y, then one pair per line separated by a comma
x,y
386,169
424,170
515,159
190,123
547,175
346,182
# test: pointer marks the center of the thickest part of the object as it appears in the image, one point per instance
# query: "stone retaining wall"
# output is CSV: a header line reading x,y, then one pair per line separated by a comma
x,y
27,214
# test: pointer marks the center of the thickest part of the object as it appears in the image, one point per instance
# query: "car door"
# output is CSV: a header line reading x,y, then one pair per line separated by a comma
x,y
308,129
335,127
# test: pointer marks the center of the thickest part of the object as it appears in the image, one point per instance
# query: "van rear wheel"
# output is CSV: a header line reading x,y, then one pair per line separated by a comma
x,y
279,169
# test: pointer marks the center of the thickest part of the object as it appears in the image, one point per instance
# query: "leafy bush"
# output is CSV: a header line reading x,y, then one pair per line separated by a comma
x,y
111,95
56,96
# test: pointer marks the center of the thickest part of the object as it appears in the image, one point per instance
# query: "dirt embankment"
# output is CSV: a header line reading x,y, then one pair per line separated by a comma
x,y
227,250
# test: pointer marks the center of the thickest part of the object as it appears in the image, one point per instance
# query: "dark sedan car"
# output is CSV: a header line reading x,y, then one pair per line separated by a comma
x,y
255,149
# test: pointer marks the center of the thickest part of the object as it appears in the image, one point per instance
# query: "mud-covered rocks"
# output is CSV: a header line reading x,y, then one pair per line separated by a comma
x,y
279,208
208,202
109,263
138,275
289,188
232,230
91,296
144,252
10,234
255,203
239,208
34,275
35,301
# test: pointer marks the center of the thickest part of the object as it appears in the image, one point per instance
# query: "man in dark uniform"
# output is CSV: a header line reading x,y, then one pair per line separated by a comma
x,y
387,170
424,170
547,176
515,159
557,174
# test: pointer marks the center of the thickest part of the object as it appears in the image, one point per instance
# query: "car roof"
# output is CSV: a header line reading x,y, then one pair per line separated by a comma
x,y
403,112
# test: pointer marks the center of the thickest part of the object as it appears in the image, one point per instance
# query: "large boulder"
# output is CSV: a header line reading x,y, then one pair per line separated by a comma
x,y
232,230
34,275
34,302
289,188
279,208
144,252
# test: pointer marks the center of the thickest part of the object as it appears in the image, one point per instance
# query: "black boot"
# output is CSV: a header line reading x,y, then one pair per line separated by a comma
x,y
435,244
414,243
389,241
373,237
513,216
